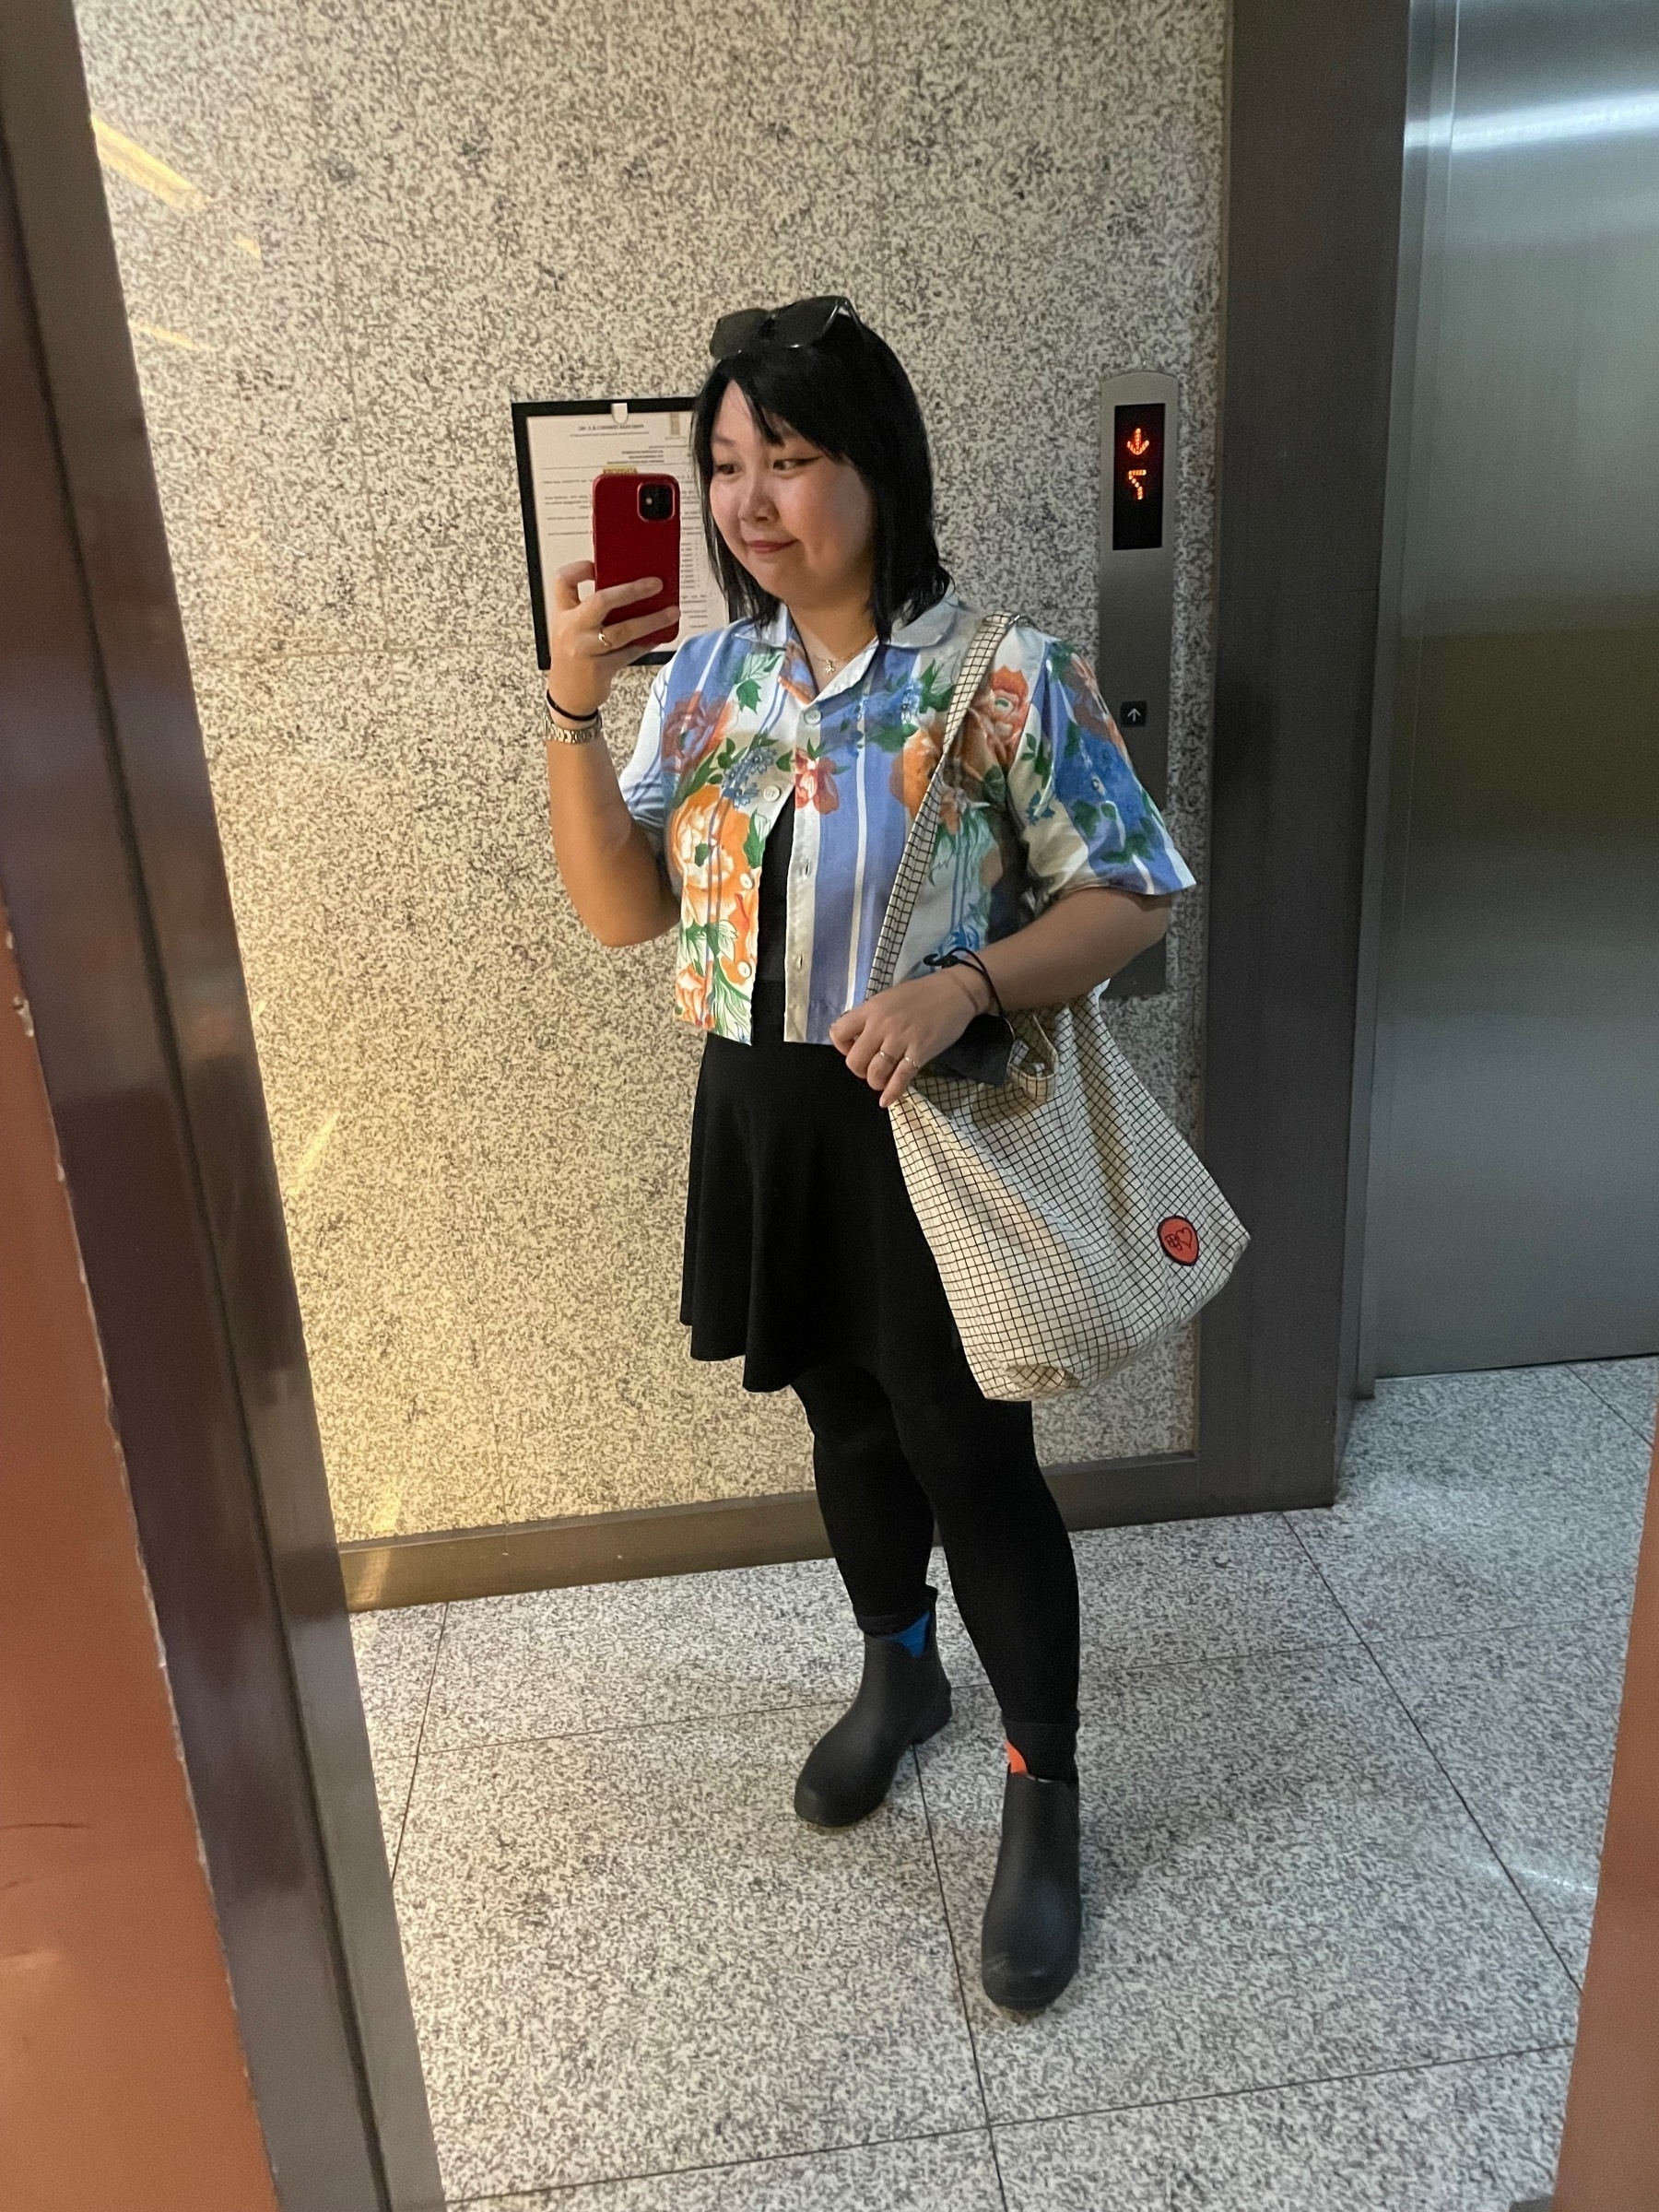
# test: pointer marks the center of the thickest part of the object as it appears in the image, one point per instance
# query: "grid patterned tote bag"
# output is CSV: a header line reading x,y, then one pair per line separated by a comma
x,y
1072,1222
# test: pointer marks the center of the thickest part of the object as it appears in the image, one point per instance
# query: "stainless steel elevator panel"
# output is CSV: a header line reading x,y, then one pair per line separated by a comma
x,y
1514,1194
1140,429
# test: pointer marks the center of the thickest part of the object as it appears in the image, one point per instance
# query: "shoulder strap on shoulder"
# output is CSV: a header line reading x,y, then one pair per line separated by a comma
x,y
976,664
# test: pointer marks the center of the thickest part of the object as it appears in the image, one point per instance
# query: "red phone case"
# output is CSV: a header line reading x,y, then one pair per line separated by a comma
x,y
629,544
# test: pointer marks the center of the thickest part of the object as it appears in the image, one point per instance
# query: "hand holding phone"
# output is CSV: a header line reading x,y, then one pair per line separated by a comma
x,y
637,534
636,575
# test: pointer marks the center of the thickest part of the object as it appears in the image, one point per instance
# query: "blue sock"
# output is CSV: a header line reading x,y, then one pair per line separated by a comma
x,y
914,1638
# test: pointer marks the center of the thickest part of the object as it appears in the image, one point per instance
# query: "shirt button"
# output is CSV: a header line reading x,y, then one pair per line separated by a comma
x,y
743,968
747,882
811,717
772,791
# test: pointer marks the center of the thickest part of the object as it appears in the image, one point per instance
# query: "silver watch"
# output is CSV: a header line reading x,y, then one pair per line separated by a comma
x,y
580,733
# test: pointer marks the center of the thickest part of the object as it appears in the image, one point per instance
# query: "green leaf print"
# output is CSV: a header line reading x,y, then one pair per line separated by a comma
x,y
703,942
725,996
699,855
709,770
1060,658
934,695
760,662
754,844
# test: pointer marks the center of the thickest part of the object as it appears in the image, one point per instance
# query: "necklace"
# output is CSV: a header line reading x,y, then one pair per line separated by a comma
x,y
825,663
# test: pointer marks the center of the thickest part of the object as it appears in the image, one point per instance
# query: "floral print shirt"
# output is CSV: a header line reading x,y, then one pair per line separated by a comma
x,y
1041,799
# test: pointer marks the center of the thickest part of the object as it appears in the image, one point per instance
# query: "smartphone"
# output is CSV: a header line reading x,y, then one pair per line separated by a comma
x,y
636,533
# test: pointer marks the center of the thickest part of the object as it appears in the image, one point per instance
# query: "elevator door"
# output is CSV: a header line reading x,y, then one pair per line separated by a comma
x,y
1514,1212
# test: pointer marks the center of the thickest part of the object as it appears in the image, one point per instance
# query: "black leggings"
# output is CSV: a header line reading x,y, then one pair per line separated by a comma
x,y
888,1463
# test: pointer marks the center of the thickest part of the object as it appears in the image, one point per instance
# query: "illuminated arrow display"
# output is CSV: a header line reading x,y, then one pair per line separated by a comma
x,y
1137,486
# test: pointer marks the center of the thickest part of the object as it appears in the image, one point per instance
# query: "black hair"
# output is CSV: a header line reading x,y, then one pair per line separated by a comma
x,y
849,395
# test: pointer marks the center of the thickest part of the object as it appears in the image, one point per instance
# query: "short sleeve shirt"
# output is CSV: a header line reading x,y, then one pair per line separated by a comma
x,y
1039,799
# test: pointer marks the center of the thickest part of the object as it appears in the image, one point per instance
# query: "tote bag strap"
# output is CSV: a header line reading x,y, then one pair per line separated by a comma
x,y
917,856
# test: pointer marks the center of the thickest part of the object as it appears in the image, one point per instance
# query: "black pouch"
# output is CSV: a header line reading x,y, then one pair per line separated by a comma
x,y
980,1054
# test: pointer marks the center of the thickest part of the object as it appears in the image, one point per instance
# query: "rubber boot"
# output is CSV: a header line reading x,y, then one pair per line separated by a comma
x,y
1034,1918
901,1700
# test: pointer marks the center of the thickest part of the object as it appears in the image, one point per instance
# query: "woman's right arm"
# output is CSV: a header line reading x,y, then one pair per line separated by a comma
x,y
608,864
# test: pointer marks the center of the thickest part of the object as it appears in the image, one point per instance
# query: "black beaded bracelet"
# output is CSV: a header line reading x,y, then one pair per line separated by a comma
x,y
565,715
960,955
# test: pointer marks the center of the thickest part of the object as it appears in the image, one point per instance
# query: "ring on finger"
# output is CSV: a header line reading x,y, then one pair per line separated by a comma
x,y
604,643
880,1053
905,1060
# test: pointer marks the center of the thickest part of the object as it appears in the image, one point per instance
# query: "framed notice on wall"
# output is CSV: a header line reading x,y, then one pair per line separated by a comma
x,y
562,445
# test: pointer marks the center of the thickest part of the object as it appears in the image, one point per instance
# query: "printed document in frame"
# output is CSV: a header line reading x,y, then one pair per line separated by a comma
x,y
562,445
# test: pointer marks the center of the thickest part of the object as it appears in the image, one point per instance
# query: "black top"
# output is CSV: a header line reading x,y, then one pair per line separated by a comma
x,y
772,922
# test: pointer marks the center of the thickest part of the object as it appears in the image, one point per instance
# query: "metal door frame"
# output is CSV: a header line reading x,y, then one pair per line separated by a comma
x,y
123,935
1316,127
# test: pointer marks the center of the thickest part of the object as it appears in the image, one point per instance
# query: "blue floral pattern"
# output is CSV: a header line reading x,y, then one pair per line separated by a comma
x,y
1039,799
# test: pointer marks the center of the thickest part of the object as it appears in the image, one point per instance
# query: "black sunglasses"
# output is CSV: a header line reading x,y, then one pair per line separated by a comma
x,y
802,322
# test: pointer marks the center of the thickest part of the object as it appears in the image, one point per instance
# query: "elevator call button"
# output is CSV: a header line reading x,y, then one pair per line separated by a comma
x,y
1133,714
1137,477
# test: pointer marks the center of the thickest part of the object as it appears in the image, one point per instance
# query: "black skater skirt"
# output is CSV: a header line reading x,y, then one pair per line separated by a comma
x,y
801,1245
801,1241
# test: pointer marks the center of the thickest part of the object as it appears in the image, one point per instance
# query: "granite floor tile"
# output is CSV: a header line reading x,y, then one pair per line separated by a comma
x,y
626,1955
1629,1386
1188,1589
1279,1885
395,1654
1457,2138
940,2174
1526,1729
1479,1504
637,1655
684,1647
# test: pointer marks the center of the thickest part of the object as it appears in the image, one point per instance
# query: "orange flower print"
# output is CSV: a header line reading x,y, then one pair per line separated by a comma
x,y
1088,708
691,729
719,910
912,770
995,720
815,783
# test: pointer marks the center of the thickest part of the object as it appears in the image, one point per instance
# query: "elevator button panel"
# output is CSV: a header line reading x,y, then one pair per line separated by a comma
x,y
1134,570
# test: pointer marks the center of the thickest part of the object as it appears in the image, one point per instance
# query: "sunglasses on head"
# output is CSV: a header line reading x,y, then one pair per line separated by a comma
x,y
802,322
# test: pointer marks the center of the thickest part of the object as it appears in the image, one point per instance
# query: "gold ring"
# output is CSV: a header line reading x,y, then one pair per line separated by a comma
x,y
905,1060
604,643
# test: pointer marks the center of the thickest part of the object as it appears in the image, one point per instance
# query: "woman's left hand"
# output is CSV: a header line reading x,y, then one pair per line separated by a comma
x,y
890,1038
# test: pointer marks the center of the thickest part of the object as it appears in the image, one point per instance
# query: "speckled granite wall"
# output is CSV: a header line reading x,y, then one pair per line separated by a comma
x,y
350,235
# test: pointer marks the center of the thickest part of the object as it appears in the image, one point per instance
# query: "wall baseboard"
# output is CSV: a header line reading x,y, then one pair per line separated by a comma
x,y
688,1539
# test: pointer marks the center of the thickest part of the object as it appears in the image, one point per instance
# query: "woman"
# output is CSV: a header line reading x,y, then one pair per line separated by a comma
x,y
779,763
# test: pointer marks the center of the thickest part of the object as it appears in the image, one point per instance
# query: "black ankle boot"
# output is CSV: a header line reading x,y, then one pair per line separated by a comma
x,y
1034,1918
901,1700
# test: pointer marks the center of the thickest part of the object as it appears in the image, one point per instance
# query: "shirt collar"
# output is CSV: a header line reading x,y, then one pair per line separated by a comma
x,y
931,626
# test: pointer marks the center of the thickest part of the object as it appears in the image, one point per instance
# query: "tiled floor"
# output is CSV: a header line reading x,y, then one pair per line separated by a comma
x,y
1343,1779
